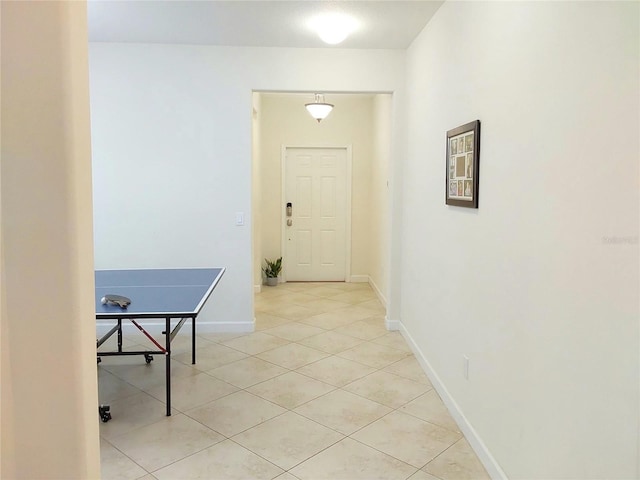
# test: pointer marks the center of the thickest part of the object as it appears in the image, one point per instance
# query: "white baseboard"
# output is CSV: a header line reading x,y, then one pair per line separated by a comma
x,y
378,293
369,280
156,327
257,288
359,279
481,450
392,325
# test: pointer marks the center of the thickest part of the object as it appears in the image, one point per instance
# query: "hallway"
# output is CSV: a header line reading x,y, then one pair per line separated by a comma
x,y
321,390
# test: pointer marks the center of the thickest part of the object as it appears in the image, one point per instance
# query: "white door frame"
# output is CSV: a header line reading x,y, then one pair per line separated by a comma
x,y
283,234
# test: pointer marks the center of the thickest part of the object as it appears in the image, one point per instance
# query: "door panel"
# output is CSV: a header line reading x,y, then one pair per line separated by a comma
x,y
328,247
303,243
304,196
328,197
316,186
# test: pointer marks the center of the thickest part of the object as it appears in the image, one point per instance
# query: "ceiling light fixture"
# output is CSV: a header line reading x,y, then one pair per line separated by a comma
x,y
333,27
319,109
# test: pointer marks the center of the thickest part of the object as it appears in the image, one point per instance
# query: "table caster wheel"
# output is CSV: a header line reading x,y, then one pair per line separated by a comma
x,y
148,358
105,415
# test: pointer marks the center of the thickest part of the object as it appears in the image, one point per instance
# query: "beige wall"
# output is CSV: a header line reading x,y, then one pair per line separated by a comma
x,y
284,121
256,190
380,224
48,414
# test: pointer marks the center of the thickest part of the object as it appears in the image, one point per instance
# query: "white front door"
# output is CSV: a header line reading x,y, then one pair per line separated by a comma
x,y
315,233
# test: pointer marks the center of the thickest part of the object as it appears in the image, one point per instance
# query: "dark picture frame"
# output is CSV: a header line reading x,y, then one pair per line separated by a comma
x,y
462,165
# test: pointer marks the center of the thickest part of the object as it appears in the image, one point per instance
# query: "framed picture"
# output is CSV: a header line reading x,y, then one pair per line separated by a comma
x,y
463,157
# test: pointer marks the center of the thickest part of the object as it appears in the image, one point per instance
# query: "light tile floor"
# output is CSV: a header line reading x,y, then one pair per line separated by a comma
x,y
321,390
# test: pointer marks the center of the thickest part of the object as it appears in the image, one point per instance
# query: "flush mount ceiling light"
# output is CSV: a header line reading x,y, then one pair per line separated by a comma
x,y
319,109
333,27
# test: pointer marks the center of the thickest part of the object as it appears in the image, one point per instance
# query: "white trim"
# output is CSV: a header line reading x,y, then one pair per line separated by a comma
x,y
392,325
478,446
378,293
349,181
283,209
257,288
359,279
374,287
208,294
349,173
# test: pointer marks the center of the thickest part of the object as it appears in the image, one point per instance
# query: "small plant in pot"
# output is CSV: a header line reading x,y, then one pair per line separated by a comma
x,y
272,270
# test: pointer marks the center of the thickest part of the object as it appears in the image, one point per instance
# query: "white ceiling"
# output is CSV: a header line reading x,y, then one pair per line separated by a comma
x,y
384,24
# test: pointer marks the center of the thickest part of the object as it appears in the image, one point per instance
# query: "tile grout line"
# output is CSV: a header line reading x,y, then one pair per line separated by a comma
x,y
288,369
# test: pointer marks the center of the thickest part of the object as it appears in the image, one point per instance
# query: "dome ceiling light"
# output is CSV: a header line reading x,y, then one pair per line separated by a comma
x,y
319,109
333,27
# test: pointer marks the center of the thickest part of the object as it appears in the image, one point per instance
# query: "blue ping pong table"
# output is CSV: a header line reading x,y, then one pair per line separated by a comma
x,y
170,294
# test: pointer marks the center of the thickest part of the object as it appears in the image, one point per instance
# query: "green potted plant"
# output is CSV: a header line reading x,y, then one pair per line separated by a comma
x,y
272,270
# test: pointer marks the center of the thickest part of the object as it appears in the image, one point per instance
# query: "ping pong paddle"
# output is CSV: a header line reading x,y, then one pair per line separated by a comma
x,y
119,300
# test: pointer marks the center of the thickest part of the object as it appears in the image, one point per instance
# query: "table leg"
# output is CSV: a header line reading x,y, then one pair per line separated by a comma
x,y
119,335
168,364
193,340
